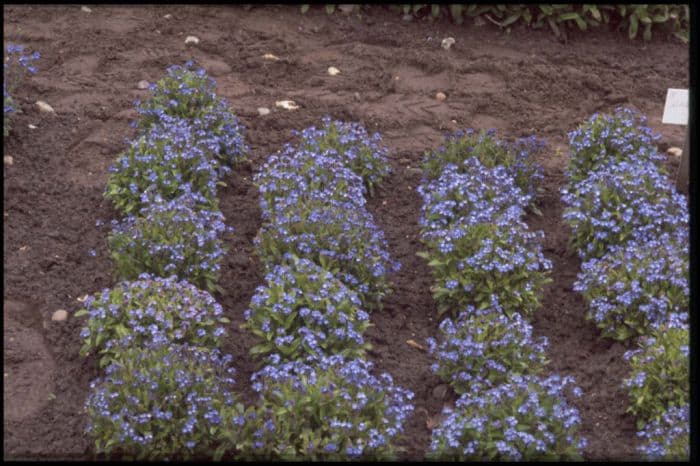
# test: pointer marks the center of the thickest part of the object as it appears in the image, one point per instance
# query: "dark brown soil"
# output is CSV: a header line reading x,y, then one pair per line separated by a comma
x,y
522,83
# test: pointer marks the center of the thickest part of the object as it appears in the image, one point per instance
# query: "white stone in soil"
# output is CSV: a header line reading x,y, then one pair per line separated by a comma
x,y
44,107
85,9
674,151
143,84
8,160
332,70
287,104
60,315
262,111
447,43
192,40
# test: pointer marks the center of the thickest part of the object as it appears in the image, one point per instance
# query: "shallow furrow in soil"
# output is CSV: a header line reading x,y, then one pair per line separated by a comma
x,y
409,312
575,346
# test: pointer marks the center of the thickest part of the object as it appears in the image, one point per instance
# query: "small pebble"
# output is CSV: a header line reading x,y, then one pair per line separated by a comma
x,y
332,70
440,96
262,111
357,96
85,9
143,84
44,107
269,56
192,40
414,171
674,151
168,16
31,126
447,43
8,160
59,315
404,161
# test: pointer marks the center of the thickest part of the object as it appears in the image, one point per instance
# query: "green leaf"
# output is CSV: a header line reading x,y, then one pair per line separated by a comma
x,y
435,10
81,313
510,20
423,254
553,25
634,25
456,11
305,8
330,9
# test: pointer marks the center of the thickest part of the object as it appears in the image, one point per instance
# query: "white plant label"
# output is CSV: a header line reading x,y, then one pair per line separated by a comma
x,y
676,107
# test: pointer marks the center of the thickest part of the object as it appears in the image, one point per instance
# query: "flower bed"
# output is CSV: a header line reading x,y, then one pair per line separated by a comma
x,y
631,226
486,261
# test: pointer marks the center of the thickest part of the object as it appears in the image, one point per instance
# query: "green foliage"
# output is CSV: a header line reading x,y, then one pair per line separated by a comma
x,y
659,378
304,311
345,242
485,347
170,238
188,93
478,263
349,142
560,17
518,157
526,418
163,402
605,139
636,286
135,313
325,409
169,160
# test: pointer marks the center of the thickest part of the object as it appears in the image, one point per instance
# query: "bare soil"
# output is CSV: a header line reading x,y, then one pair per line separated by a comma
x,y
521,83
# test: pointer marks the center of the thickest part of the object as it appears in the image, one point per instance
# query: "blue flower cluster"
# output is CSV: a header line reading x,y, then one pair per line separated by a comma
x,y
187,92
605,140
526,418
303,311
163,401
630,227
666,439
166,182
487,262
171,159
636,285
485,347
326,408
313,207
170,238
166,393
659,379
133,313
296,176
517,158
15,65
363,154
626,200
478,245
326,262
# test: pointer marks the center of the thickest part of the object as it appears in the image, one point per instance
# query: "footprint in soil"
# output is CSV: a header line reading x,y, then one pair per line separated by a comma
x,y
28,367
27,314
